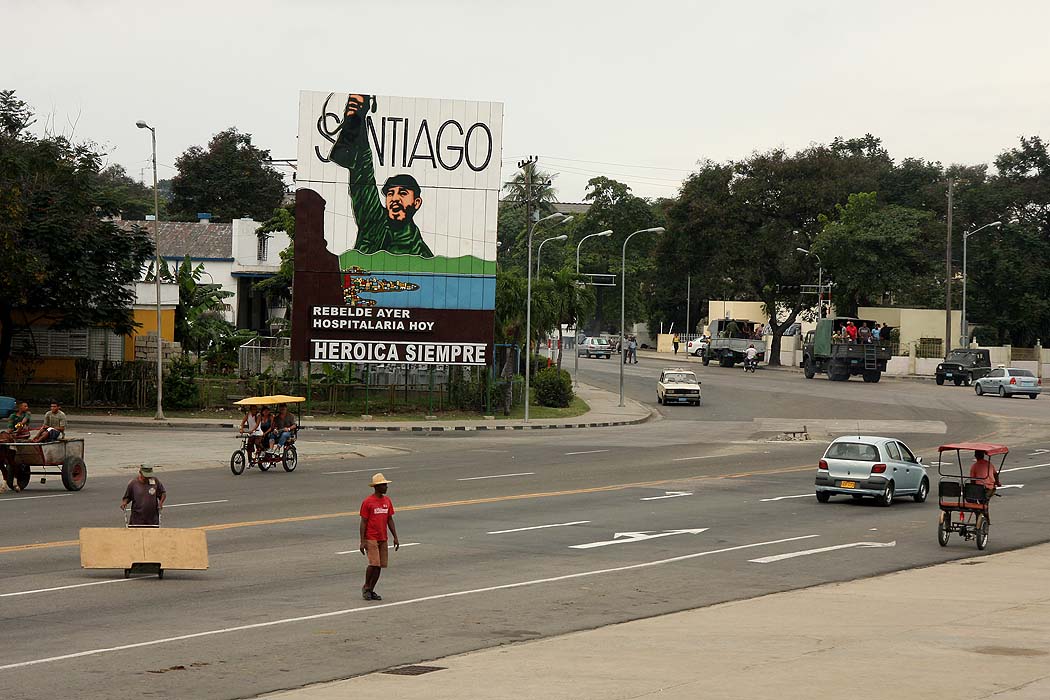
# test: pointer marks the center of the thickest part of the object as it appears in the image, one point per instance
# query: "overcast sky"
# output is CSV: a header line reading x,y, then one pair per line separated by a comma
x,y
638,91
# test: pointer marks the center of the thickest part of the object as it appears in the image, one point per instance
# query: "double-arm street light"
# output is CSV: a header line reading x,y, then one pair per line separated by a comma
x,y
557,218
576,337
623,299
820,281
539,248
965,335
156,273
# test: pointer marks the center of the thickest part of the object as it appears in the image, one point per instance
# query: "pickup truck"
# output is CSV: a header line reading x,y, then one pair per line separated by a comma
x,y
730,339
831,349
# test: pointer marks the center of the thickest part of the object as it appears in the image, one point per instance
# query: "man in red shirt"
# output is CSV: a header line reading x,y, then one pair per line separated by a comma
x,y
377,514
982,471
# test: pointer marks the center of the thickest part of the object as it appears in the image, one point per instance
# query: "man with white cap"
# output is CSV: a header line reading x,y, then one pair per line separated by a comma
x,y
377,514
146,495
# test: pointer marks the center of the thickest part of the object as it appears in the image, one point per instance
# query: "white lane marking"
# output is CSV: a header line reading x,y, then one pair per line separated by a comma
x,y
29,498
668,494
358,471
585,452
495,476
1018,469
686,459
1011,486
357,551
807,552
64,588
492,451
380,606
781,498
628,537
538,527
194,503
1038,452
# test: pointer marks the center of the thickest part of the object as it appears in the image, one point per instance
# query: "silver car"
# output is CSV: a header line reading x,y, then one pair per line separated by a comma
x,y
1008,381
877,467
594,347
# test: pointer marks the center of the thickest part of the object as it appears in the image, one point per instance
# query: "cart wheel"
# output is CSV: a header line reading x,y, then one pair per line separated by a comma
x,y
982,533
290,458
237,462
942,529
127,573
74,473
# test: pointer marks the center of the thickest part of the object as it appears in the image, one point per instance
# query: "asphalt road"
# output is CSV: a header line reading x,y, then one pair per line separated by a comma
x,y
673,511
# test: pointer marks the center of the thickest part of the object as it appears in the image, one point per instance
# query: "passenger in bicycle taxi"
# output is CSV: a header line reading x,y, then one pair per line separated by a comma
x,y
282,427
250,425
262,433
983,472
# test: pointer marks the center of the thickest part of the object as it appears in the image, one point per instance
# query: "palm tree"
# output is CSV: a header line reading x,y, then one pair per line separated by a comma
x,y
543,194
573,300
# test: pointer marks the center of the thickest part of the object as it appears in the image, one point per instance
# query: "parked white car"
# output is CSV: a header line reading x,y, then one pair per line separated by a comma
x,y
875,467
678,386
696,346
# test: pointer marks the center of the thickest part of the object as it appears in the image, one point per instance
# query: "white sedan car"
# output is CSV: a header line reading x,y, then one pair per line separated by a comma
x,y
678,386
696,346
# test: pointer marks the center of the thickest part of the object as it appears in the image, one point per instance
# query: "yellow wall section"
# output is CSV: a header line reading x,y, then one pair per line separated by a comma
x,y
148,320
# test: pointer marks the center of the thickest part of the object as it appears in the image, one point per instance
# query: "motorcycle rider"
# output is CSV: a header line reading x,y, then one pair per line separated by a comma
x,y
750,356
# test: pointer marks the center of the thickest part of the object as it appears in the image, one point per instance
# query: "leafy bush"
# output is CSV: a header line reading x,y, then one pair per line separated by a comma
x,y
180,389
553,387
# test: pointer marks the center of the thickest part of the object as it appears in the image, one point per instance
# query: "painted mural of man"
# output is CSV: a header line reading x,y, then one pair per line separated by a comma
x,y
381,225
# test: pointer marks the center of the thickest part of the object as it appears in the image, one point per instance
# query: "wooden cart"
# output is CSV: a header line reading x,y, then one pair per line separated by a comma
x,y
63,458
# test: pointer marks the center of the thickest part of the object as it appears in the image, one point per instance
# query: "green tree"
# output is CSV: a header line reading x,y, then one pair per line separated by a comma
x,y
62,263
279,287
877,251
573,302
129,197
199,317
230,179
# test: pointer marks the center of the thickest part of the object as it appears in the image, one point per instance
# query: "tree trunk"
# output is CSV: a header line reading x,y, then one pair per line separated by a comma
x,y
7,334
508,388
560,343
773,356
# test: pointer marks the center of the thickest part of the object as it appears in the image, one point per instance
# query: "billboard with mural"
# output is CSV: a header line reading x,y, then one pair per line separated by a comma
x,y
395,229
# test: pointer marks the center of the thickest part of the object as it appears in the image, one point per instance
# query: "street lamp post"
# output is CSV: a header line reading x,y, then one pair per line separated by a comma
x,y
623,297
560,219
576,332
156,273
539,249
820,282
965,335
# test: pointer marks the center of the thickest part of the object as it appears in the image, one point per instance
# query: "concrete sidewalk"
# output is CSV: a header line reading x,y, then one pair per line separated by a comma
x,y
968,629
604,411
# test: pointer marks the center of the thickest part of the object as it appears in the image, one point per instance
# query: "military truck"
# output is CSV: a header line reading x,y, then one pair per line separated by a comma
x,y
830,349
730,339
964,366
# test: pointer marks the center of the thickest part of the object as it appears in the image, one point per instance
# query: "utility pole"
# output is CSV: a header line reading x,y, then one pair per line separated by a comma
x,y
527,166
948,274
688,290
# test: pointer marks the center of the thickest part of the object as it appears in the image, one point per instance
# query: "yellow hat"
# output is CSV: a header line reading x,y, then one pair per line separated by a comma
x,y
378,478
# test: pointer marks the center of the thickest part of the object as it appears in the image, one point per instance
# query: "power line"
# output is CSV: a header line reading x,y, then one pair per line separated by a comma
x,y
622,165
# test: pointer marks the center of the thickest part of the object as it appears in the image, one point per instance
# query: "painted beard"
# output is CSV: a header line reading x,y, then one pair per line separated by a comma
x,y
399,214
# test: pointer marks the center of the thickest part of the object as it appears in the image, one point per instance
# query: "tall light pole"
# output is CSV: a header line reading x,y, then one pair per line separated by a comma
x,y
603,234
559,218
948,272
539,249
156,273
820,282
623,297
965,331
576,332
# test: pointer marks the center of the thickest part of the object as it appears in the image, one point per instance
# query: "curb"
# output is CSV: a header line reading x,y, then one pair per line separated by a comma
x,y
409,428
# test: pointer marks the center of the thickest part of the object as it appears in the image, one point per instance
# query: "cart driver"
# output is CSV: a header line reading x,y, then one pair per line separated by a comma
x,y
250,425
146,495
982,471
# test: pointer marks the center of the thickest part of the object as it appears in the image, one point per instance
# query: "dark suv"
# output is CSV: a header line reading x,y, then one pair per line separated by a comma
x,y
963,366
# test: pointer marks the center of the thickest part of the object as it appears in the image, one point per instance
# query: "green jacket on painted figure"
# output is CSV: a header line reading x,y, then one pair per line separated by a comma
x,y
376,231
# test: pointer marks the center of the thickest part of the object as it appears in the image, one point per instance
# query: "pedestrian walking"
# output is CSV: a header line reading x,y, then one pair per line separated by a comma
x,y
377,515
632,346
146,495
674,341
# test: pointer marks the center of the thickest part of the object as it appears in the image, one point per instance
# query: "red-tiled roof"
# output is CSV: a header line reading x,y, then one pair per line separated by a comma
x,y
181,238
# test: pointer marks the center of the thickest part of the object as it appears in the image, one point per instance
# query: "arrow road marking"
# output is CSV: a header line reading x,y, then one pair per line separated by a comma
x,y
627,537
668,494
538,527
781,498
1031,466
807,552
1038,452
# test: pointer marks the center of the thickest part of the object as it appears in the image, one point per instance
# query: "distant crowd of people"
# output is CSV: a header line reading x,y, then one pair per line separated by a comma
x,y
864,334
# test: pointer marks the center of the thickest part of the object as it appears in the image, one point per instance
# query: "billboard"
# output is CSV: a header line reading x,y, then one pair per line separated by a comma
x,y
395,229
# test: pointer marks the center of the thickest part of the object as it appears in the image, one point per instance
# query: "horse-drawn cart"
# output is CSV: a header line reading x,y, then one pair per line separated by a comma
x,y
62,458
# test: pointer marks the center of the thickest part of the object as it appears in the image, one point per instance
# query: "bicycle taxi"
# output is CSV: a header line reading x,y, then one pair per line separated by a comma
x,y
963,499
252,452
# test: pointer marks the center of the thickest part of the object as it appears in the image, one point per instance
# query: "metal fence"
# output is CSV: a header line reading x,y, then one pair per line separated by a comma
x,y
930,347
